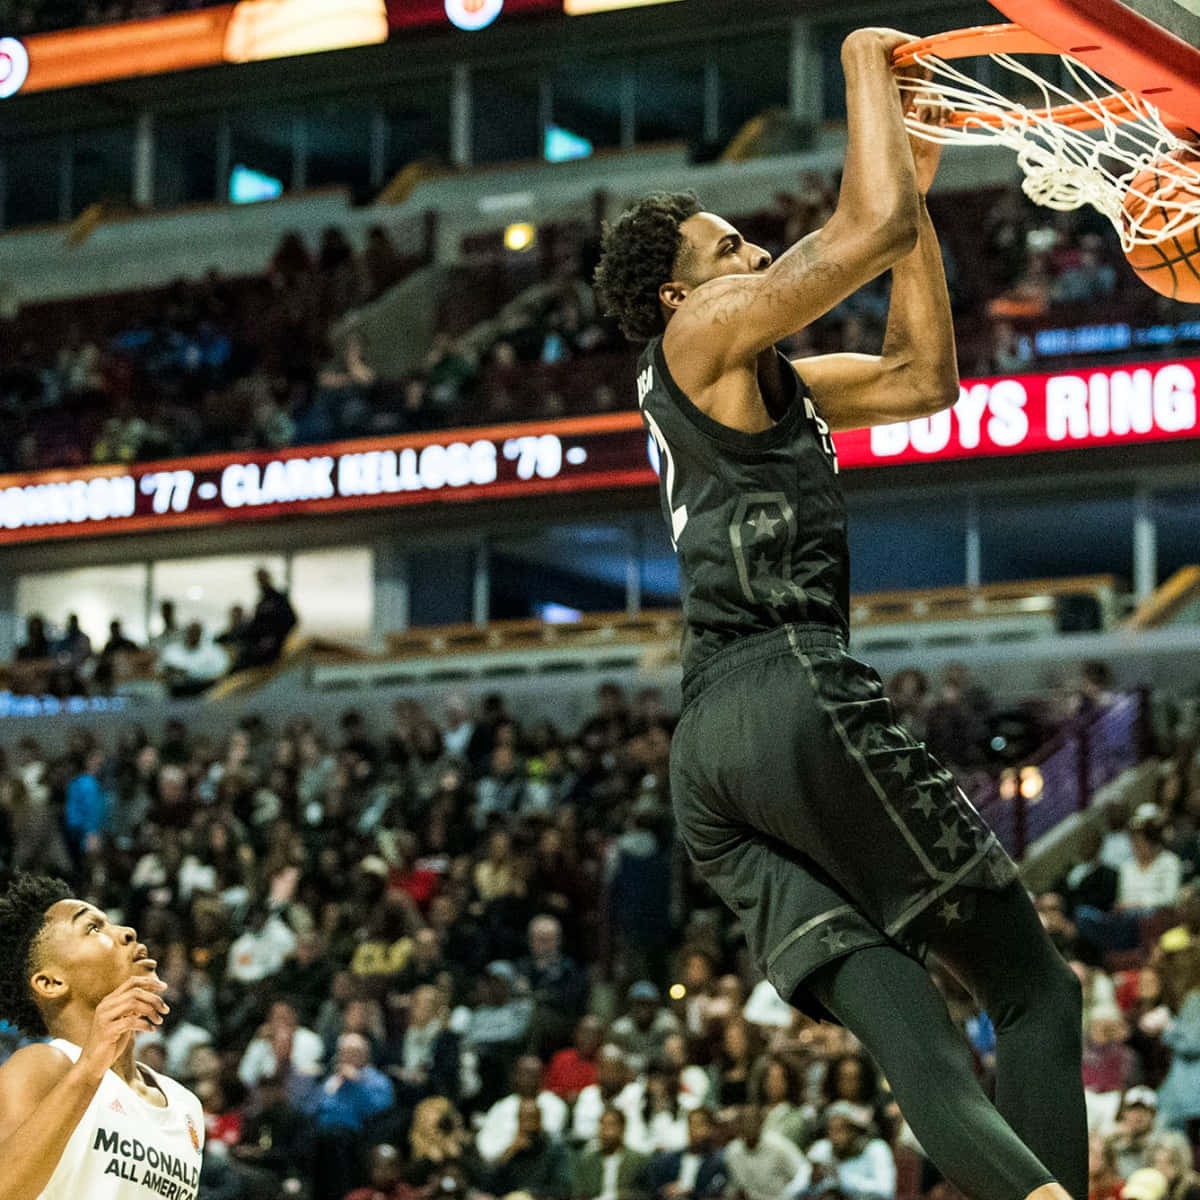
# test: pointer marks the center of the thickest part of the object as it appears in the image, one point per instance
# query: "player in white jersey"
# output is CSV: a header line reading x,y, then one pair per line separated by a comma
x,y
79,1118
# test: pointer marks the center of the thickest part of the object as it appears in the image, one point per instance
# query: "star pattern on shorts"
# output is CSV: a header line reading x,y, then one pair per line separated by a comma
x,y
777,597
903,767
764,525
951,840
833,940
762,568
949,911
925,804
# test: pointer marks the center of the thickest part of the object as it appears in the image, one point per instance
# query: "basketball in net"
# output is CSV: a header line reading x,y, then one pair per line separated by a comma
x,y
1157,202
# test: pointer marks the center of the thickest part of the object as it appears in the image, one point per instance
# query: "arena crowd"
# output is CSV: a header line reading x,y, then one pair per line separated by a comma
x,y
463,955
216,364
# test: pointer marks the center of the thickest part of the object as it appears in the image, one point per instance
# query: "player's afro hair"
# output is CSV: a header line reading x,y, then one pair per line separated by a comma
x,y
637,256
22,919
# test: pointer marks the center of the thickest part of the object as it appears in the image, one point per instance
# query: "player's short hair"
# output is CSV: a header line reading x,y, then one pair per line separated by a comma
x,y
638,255
22,923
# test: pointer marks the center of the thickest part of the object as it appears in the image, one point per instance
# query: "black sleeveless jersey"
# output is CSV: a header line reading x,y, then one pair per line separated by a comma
x,y
758,519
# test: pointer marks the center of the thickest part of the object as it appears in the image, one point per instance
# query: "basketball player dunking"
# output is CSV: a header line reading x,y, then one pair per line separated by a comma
x,y
846,851
79,1119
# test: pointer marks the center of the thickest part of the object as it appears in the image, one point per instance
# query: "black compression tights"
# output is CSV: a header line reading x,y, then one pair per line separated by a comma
x,y
1036,1132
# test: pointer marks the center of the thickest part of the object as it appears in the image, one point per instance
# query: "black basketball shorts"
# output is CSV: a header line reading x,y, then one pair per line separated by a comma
x,y
816,818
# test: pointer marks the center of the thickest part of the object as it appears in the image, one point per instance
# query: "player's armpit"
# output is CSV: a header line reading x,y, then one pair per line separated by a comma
x,y
856,391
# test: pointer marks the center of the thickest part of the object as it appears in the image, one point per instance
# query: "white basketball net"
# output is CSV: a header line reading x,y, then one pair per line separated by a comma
x,y
1066,168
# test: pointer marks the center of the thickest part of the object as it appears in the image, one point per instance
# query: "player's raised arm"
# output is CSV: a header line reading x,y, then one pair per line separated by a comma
x,y
732,318
917,373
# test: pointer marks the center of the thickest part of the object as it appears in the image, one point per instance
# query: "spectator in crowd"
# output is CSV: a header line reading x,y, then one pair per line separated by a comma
x,y
850,1157
192,664
498,1024
556,982
697,1172
612,1077
273,619
353,1093
778,1089
1135,1124
499,1130
1171,1155
1109,1065
36,646
1179,1095
170,629
437,1143
1089,882
236,632
610,1171
1178,952
574,1068
86,806
648,1023
355,1090
282,1046
1147,881
275,1134
1104,1176
763,1165
429,1052
387,1176
534,1162
656,1106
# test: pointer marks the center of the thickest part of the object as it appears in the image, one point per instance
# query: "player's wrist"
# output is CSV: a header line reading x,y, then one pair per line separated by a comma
x,y
871,48
89,1070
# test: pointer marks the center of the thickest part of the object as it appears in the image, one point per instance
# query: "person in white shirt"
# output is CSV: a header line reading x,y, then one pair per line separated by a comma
x,y
612,1076
656,1109
1148,881
763,1165
193,664
281,1044
261,951
79,1117
850,1158
499,1126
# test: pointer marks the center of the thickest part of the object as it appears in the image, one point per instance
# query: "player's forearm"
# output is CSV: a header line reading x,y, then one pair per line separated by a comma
x,y
878,179
877,208
29,1156
919,341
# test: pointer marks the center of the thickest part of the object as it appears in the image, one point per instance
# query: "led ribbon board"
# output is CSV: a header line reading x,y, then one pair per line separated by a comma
x,y
994,417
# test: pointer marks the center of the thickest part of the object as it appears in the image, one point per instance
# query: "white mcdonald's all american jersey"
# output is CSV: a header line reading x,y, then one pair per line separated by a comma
x,y
125,1148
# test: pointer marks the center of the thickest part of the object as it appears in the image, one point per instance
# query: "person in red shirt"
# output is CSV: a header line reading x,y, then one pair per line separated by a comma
x,y
1104,1179
573,1069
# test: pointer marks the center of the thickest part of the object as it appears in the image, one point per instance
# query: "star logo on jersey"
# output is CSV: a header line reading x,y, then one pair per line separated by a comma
x,y
193,1133
764,525
924,803
949,911
762,536
951,840
834,940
